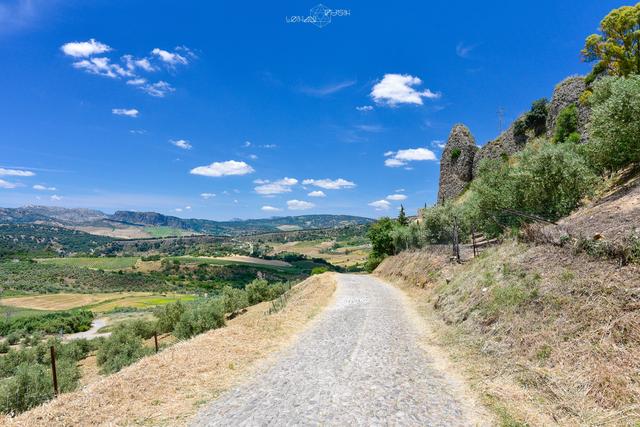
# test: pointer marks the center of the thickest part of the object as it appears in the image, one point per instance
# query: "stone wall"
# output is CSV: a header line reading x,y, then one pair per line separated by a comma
x,y
456,171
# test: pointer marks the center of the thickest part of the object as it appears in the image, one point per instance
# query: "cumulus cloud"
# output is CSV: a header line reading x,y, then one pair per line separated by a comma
x,y
170,58
181,143
207,196
218,169
365,108
158,89
15,172
380,205
267,188
299,205
329,184
84,49
138,63
102,66
395,89
43,188
270,209
56,198
137,81
317,193
129,112
402,157
7,185
396,197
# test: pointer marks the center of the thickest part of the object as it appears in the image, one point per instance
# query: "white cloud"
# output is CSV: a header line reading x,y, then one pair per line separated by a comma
x,y
299,205
103,67
158,89
15,172
396,89
129,112
317,193
142,63
181,143
328,89
56,198
170,58
380,205
463,50
270,209
438,143
247,144
178,209
328,184
7,185
253,157
217,169
137,81
365,108
402,157
277,187
188,208
396,197
84,49
43,188
207,196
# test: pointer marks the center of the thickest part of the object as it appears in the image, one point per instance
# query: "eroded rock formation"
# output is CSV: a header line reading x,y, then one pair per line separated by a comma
x,y
456,164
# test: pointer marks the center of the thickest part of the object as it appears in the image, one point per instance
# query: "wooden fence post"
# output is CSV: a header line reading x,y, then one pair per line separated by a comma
x,y
53,371
473,240
155,338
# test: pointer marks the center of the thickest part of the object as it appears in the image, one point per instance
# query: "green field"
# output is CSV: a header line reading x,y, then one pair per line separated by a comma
x,y
101,263
165,231
215,261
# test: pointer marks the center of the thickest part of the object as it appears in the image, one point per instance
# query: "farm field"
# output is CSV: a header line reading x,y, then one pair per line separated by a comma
x,y
95,302
234,260
343,256
167,231
97,263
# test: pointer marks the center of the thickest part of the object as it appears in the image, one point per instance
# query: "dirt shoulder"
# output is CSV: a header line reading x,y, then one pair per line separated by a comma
x,y
168,388
545,336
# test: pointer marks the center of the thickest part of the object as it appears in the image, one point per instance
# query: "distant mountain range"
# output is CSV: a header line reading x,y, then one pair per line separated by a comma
x,y
146,224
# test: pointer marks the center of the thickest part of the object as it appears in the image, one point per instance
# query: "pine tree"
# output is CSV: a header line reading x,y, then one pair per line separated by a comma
x,y
402,217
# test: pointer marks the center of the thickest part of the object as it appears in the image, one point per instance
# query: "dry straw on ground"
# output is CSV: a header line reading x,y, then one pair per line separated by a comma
x,y
168,388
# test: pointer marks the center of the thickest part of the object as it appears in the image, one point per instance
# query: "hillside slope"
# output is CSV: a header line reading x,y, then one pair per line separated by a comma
x,y
168,388
549,332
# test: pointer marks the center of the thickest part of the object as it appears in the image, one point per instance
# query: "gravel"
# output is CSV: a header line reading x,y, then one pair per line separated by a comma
x,y
358,364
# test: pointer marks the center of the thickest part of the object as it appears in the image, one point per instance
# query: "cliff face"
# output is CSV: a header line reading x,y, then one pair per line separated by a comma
x,y
456,164
458,170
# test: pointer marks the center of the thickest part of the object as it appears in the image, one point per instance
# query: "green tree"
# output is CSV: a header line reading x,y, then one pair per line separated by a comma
x,y
121,349
536,118
618,47
566,124
402,217
381,242
615,123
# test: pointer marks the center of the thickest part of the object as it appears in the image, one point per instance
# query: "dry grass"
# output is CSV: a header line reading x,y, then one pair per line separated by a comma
x,y
548,337
344,256
168,388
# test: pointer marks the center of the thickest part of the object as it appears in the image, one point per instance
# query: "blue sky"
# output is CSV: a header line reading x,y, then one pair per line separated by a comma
x,y
226,110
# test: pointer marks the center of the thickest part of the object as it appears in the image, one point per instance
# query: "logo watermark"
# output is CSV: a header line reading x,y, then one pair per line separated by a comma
x,y
319,15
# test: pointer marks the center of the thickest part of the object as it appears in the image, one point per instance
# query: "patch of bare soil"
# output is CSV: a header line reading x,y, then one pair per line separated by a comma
x,y
547,336
168,388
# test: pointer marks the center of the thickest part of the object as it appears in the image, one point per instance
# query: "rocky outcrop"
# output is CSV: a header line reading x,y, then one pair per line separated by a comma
x,y
508,143
456,163
568,92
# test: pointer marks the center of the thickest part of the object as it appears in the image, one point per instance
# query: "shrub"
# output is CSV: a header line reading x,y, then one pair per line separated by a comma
x,y
373,261
29,387
142,328
119,350
257,291
200,317
519,128
436,222
168,316
615,123
566,123
4,347
52,323
13,338
234,299
277,289
318,270
455,153
536,118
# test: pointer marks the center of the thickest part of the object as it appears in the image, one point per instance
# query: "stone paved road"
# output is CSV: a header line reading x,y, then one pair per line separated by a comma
x,y
358,364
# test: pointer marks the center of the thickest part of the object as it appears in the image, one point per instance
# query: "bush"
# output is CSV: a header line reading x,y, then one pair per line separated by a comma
x,y
455,153
121,349
168,316
566,124
13,338
4,347
519,128
536,118
29,387
318,270
234,299
615,123
277,289
373,261
200,317
51,323
257,291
